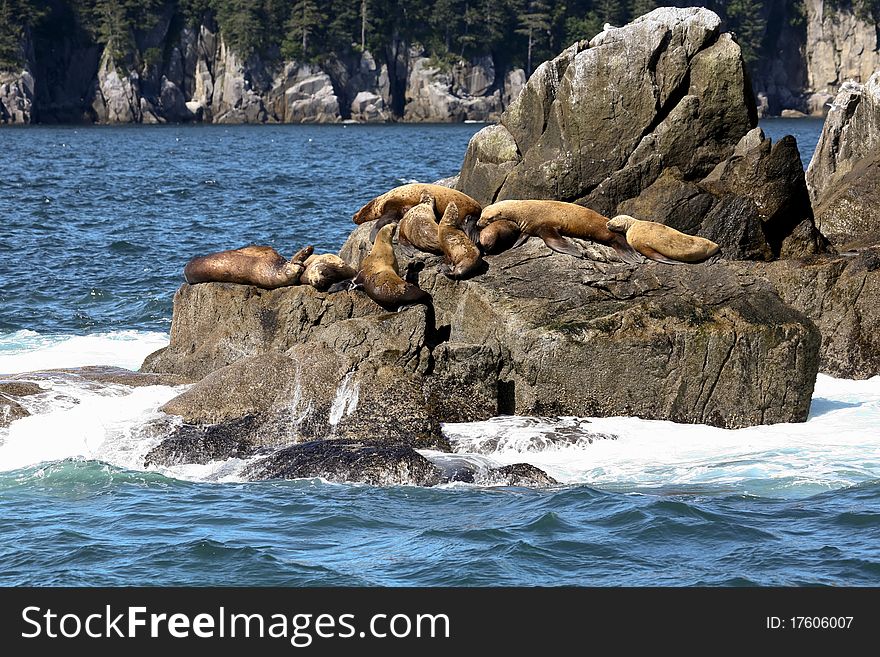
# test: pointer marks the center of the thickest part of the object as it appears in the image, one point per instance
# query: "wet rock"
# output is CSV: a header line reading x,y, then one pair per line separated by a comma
x,y
347,460
518,474
204,444
99,374
10,410
19,388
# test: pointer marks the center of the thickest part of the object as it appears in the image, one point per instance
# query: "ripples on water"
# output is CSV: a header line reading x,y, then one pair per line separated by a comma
x,y
96,226
98,222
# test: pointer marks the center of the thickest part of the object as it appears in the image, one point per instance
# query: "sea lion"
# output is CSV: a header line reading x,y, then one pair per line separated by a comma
x,y
462,255
379,275
553,221
392,205
498,236
262,266
323,271
418,228
662,243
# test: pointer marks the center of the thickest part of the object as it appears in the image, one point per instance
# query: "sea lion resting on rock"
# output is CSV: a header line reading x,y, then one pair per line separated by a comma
x,y
380,277
462,255
419,229
553,221
262,266
662,243
498,236
392,205
323,271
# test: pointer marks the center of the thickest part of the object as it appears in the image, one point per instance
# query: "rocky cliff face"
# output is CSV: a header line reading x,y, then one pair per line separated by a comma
x,y
840,46
190,74
16,97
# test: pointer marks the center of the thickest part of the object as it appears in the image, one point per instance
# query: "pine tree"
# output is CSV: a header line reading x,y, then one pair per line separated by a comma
x,y
305,19
534,20
746,19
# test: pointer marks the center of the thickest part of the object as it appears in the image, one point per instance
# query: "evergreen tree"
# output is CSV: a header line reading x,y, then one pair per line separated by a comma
x,y
16,16
241,25
305,19
746,19
534,21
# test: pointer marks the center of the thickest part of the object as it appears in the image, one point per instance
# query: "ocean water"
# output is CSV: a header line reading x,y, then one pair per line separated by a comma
x,y
95,227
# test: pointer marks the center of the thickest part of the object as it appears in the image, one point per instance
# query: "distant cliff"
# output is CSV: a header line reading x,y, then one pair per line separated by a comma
x,y
74,61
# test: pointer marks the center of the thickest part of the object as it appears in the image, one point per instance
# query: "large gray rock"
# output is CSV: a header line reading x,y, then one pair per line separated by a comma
x,y
598,123
842,296
540,333
844,174
754,204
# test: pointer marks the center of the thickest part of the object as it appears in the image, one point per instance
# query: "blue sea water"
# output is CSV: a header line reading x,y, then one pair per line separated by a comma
x,y
95,226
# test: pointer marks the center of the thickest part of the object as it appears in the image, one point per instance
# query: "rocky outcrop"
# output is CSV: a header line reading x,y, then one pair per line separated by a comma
x,y
16,97
671,343
11,391
842,296
677,139
840,46
666,90
376,463
461,94
844,173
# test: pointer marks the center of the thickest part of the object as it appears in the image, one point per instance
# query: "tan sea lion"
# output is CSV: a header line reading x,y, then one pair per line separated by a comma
x,y
498,236
380,277
462,255
392,205
323,271
662,243
553,221
418,228
262,266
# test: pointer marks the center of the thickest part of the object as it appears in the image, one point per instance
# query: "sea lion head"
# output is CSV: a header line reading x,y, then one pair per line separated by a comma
x,y
386,233
621,223
427,198
489,214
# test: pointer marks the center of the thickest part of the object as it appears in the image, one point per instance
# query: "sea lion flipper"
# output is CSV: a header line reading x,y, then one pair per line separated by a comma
x,y
625,251
659,257
557,242
520,240
383,220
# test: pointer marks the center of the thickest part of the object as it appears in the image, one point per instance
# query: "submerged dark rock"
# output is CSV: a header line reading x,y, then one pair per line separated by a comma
x,y
518,474
349,460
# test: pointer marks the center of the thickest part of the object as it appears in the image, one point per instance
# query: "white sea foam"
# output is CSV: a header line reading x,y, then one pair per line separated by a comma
x,y
27,351
838,446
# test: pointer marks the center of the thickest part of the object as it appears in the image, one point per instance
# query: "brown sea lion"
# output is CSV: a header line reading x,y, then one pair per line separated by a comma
x,y
379,275
553,221
392,205
418,228
262,266
323,271
662,243
462,255
498,236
